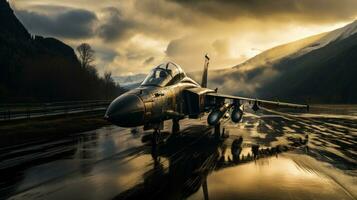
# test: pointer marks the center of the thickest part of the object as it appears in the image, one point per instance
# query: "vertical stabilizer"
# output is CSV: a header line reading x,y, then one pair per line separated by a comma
x,y
205,72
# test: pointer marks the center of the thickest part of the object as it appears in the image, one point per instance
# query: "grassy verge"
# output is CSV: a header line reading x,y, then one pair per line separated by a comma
x,y
23,131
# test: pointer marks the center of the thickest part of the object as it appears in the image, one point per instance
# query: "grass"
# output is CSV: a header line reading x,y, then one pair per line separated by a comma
x,y
24,131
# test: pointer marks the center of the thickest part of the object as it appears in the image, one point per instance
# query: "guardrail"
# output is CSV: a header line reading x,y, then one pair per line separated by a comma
x,y
27,111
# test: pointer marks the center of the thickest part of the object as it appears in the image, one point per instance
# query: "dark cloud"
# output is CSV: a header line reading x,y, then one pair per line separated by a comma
x,y
71,23
106,55
167,10
114,27
185,49
146,18
149,60
174,47
304,10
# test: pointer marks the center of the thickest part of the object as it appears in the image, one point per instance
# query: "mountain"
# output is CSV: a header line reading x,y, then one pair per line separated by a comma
x,y
34,68
318,69
271,56
11,25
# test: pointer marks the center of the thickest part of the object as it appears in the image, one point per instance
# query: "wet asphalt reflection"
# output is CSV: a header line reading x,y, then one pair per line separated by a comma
x,y
269,155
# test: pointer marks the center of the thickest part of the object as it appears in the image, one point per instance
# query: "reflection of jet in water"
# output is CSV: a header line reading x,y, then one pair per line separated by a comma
x,y
168,94
182,164
180,167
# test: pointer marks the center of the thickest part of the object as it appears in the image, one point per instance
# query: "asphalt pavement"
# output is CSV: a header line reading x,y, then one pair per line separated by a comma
x,y
269,155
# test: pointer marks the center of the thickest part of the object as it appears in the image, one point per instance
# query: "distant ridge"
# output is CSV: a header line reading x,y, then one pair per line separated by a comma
x,y
317,69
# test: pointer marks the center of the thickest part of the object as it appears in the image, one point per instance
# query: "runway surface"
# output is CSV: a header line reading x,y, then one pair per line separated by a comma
x,y
300,156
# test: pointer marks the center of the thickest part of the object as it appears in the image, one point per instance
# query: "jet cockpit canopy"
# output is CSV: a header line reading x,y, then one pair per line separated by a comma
x,y
165,74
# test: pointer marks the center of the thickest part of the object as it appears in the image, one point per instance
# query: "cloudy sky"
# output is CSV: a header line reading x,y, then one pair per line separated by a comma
x,y
132,36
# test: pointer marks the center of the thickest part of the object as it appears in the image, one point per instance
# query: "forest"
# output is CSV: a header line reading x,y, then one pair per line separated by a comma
x,y
38,69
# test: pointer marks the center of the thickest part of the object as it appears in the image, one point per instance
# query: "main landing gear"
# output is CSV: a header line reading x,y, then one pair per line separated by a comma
x,y
157,136
219,133
217,130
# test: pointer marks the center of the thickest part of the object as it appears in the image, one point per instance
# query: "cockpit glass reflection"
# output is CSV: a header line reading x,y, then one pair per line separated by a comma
x,y
163,74
157,77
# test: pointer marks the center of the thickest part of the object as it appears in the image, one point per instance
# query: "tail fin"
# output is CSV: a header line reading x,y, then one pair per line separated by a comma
x,y
205,72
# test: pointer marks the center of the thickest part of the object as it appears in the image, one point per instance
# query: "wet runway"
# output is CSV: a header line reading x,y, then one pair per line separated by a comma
x,y
270,155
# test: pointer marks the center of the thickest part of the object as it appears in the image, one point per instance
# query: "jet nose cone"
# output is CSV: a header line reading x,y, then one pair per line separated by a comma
x,y
126,111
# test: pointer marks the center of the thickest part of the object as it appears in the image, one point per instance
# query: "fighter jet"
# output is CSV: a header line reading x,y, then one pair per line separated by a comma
x,y
167,93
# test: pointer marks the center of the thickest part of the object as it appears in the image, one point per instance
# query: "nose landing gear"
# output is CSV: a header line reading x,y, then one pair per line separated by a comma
x,y
156,136
175,126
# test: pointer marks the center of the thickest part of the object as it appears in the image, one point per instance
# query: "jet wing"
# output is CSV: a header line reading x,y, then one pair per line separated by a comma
x,y
258,102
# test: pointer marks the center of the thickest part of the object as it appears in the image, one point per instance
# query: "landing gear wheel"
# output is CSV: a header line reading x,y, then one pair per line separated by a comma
x,y
175,127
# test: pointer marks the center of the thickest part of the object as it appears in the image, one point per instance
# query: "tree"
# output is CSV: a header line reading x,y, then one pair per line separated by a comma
x,y
85,55
109,84
108,77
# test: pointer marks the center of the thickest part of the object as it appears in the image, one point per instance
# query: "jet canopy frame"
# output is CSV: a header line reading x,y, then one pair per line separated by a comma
x,y
164,74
